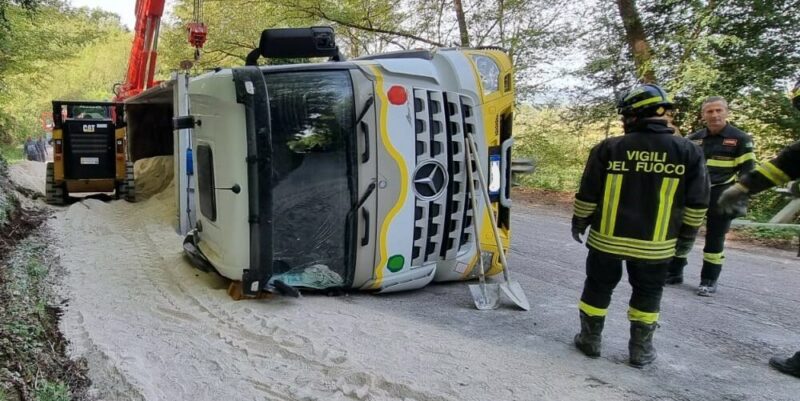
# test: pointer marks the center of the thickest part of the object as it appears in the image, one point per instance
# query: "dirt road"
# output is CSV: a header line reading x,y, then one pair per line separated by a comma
x,y
153,328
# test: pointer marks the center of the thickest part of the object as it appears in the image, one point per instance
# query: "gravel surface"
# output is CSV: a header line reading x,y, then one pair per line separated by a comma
x,y
153,328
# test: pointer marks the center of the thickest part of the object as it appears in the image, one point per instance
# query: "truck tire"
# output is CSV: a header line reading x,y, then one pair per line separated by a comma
x,y
54,194
130,183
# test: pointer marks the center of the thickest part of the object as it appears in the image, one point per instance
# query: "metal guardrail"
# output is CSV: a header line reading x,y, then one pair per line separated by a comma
x,y
784,218
519,167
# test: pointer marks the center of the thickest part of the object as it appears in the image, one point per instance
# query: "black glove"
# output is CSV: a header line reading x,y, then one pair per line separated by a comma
x,y
579,226
683,247
733,201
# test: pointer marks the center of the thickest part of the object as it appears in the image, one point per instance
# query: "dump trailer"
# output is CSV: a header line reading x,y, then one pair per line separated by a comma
x,y
89,151
349,174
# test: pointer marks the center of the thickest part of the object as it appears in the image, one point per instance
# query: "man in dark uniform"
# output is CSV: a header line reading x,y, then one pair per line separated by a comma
x,y
728,152
643,194
775,172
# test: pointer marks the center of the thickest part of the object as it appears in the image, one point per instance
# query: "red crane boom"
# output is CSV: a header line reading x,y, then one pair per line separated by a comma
x,y
144,51
142,61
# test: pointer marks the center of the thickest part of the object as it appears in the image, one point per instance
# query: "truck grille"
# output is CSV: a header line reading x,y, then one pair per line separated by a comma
x,y
88,144
443,225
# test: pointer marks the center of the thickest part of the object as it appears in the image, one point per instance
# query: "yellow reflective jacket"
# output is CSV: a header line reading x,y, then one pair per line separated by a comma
x,y
640,191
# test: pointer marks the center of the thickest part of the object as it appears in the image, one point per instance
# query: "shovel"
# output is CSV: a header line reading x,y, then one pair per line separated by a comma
x,y
512,289
486,296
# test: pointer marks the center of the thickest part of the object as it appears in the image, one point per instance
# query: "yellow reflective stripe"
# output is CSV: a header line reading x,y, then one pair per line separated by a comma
x,y
646,102
720,163
665,198
636,315
633,242
585,204
693,217
690,211
591,310
584,209
640,249
630,252
773,173
728,181
715,258
610,203
745,157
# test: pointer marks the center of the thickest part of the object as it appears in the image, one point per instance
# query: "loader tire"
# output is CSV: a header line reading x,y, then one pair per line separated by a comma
x,y
122,190
130,183
53,194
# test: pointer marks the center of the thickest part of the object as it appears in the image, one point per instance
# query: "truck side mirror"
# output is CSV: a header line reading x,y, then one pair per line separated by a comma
x,y
318,41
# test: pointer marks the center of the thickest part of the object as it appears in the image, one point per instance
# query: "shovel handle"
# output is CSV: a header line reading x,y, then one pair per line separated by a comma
x,y
473,153
482,275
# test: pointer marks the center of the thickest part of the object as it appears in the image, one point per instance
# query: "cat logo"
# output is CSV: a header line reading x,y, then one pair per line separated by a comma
x,y
88,128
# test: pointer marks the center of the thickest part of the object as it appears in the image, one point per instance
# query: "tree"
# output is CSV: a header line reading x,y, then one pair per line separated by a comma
x,y
534,32
37,54
637,40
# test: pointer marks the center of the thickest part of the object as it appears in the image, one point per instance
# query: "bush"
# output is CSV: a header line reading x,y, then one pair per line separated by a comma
x,y
558,147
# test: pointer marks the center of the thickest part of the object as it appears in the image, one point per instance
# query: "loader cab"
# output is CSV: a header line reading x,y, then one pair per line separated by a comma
x,y
89,151
87,112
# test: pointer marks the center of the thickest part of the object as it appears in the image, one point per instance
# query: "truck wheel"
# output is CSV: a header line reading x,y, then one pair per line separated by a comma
x,y
54,194
130,184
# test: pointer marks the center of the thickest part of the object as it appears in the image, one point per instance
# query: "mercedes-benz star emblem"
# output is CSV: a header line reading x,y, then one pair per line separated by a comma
x,y
430,180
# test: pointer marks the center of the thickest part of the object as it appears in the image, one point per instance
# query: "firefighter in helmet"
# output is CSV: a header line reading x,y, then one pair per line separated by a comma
x,y
643,196
775,172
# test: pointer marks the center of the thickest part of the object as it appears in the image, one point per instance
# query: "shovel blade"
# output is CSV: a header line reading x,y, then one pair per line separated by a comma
x,y
514,292
486,296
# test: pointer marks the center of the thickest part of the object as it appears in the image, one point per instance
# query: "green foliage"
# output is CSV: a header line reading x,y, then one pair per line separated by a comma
x,y
743,50
769,233
531,30
51,391
559,149
11,153
30,355
56,52
7,200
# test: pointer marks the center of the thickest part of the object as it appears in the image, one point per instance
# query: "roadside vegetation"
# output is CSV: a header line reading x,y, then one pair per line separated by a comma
x,y
33,361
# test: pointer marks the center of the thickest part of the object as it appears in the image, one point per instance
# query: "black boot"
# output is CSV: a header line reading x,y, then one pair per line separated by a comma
x,y
640,346
707,287
675,274
588,341
790,366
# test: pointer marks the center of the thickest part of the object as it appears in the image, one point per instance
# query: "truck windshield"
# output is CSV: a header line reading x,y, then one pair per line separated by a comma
x,y
312,116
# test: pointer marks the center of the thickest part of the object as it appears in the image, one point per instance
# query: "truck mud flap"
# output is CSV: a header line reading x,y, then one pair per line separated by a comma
x,y
251,92
193,253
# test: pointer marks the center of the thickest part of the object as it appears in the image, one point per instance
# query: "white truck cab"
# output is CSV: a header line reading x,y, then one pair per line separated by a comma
x,y
349,174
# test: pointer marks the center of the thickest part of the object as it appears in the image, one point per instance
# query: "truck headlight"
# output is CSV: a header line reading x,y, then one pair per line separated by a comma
x,y
494,175
489,73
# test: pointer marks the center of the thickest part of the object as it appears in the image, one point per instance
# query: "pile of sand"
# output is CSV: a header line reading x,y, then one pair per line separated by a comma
x,y
153,175
29,175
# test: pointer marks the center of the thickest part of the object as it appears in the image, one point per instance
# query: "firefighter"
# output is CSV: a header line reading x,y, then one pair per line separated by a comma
x,y
728,152
644,195
775,172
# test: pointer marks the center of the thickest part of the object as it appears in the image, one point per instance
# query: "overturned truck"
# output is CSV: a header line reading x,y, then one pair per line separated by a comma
x,y
348,174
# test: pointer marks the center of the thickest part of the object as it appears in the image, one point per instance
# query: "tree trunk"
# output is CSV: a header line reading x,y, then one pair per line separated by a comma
x,y
634,34
462,23
501,10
